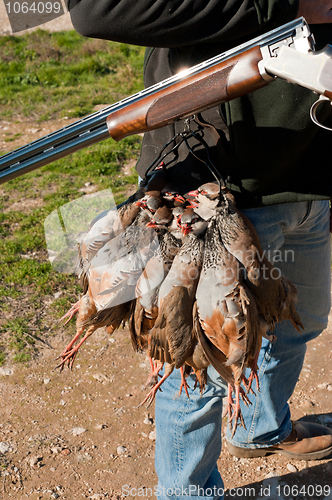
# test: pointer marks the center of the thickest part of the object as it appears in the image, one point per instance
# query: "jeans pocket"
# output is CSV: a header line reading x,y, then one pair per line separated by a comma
x,y
307,214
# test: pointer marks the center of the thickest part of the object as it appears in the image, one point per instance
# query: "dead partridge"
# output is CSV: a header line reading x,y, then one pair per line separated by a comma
x,y
228,316
148,285
104,241
275,294
172,339
111,290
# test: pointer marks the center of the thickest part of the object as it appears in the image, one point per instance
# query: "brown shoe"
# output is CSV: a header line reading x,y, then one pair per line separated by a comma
x,y
307,441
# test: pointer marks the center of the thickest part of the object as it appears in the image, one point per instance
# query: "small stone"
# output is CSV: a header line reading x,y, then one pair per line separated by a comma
x,y
100,378
271,474
329,387
55,495
57,295
83,457
152,435
87,184
307,404
6,371
5,447
100,427
47,381
258,468
65,452
291,468
322,386
121,450
56,449
34,461
78,430
148,421
62,402
97,496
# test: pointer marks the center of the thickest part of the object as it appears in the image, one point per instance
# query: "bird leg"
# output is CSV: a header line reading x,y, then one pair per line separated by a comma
x,y
247,385
70,345
234,409
152,394
72,311
230,402
184,383
235,406
253,375
153,376
69,354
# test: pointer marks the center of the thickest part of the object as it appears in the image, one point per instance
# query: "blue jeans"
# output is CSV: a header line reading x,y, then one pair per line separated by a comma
x,y
296,239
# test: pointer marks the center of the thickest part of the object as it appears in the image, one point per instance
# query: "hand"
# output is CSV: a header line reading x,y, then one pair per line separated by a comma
x,y
316,11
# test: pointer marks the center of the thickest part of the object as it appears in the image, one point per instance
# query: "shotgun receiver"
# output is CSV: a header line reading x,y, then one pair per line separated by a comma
x,y
286,52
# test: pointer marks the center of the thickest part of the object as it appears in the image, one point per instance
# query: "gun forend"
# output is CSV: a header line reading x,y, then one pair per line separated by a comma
x,y
312,70
220,83
216,81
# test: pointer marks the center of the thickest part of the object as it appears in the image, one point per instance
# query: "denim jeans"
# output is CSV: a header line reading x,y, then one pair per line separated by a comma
x,y
296,239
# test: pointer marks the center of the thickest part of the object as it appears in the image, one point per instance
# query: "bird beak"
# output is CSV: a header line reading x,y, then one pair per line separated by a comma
x,y
185,229
151,224
139,203
178,197
193,193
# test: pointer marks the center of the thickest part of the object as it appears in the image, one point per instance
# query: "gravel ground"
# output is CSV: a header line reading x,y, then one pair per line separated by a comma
x,y
80,434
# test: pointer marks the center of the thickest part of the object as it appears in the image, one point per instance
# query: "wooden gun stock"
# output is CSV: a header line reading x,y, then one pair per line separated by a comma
x,y
220,83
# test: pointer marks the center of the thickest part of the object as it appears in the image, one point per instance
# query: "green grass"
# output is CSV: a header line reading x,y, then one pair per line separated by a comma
x,y
52,75
49,75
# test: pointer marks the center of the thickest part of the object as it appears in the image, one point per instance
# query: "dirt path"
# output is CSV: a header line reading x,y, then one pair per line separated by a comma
x,y
80,434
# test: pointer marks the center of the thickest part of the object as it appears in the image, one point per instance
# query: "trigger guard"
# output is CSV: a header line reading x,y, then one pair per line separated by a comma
x,y
313,110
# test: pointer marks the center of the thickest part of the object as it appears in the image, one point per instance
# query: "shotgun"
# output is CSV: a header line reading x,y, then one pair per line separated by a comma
x,y
286,52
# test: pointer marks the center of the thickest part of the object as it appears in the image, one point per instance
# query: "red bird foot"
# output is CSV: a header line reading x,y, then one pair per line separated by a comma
x,y
152,394
68,355
184,383
234,409
71,313
154,374
253,376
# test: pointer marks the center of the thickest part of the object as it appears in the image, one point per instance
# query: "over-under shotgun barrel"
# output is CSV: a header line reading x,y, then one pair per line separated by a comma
x,y
217,80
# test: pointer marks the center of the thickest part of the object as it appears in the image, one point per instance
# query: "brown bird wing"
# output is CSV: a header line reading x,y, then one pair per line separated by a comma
x,y
215,357
175,318
158,344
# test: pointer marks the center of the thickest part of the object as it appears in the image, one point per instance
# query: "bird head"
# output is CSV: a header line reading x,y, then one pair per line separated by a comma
x,y
161,218
190,222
